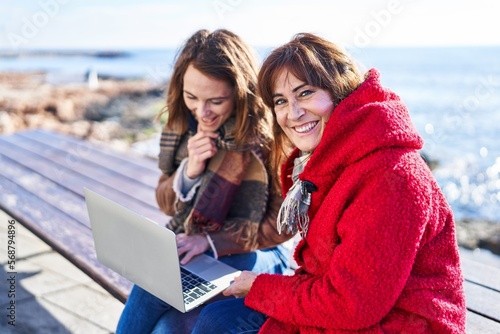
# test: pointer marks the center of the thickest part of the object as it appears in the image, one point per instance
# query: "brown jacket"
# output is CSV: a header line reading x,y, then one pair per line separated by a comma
x,y
224,241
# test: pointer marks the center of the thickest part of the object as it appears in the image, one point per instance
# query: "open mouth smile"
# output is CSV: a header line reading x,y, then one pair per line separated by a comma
x,y
208,120
306,127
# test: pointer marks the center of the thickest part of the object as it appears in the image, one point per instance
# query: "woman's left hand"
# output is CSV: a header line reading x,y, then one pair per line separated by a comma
x,y
191,245
241,285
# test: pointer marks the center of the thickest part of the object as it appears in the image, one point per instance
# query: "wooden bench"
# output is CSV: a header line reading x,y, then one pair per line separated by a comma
x,y
482,293
42,176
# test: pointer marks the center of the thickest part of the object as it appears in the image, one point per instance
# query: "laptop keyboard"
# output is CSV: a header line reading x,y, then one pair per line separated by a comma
x,y
194,286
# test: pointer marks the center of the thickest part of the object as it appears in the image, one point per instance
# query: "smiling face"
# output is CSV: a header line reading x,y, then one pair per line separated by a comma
x,y
210,100
301,110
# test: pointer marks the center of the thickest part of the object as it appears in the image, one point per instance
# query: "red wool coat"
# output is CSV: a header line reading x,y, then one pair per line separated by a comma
x,y
380,255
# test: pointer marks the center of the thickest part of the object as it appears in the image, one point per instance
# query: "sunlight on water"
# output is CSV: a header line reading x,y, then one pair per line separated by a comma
x,y
473,190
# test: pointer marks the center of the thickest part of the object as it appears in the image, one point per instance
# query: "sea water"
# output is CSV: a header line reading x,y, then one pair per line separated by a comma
x,y
453,95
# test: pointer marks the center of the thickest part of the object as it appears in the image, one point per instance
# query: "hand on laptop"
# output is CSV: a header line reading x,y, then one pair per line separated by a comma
x,y
241,285
190,246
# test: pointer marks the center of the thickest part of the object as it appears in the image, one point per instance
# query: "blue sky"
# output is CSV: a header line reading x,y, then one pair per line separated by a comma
x,y
129,24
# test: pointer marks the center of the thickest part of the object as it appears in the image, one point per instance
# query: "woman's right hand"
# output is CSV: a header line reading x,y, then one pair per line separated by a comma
x,y
201,147
241,285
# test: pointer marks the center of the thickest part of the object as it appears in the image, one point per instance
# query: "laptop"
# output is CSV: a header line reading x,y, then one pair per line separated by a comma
x,y
145,253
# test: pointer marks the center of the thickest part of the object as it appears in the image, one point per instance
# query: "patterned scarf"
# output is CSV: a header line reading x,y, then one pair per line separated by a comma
x,y
293,216
234,190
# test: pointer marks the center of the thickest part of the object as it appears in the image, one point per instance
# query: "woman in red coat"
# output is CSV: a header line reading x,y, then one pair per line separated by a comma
x,y
378,252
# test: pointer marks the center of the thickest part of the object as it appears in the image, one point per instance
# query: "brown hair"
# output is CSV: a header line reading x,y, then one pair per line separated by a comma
x,y
224,56
315,61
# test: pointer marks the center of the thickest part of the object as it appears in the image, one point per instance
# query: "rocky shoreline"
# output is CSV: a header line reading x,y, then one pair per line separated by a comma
x,y
473,234
117,112
124,115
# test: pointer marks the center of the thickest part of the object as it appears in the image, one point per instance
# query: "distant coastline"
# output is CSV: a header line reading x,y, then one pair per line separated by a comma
x,y
63,53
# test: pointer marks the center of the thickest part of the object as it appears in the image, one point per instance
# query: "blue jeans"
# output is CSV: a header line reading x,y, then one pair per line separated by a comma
x,y
229,317
144,313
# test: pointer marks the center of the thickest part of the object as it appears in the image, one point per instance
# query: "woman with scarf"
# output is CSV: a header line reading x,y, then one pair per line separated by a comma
x,y
378,252
215,185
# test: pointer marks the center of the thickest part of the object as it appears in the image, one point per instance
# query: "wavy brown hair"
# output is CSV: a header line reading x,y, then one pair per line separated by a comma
x,y
318,63
222,55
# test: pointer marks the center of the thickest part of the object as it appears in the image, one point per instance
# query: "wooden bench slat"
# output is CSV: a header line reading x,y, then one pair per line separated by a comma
x,y
141,169
483,256
71,159
482,300
480,273
69,203
67,236
477,324
136,197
